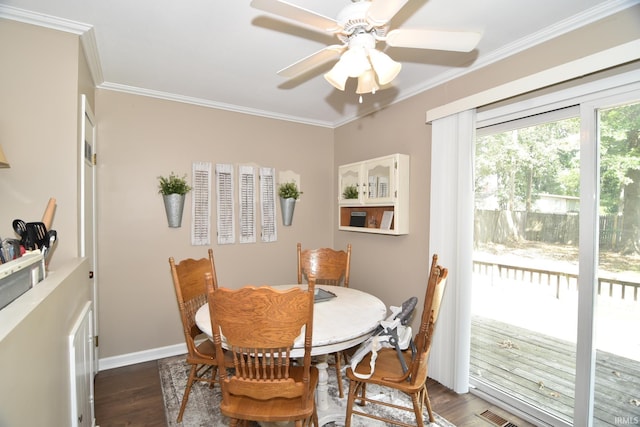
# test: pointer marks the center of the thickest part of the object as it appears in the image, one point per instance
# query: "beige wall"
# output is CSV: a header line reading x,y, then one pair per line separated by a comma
x,y
38,130
140,138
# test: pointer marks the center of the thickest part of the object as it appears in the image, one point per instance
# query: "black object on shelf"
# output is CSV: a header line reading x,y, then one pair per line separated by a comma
x,y
358,219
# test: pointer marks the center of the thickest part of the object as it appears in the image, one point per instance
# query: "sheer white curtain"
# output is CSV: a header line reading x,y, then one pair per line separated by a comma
x,y
451,237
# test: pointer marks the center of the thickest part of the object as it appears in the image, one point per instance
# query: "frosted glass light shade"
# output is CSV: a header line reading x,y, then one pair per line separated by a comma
x,y
356,60
353,63
386,68
370,66
367,83
338,75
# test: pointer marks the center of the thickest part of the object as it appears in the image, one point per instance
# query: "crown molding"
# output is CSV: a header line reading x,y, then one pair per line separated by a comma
x,y
91,54
42,20
210,104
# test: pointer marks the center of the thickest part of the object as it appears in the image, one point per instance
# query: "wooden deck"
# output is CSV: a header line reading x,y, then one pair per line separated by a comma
x,y
541,370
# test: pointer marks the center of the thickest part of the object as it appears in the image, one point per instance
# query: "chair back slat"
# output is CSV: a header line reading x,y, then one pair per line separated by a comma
x,y
329,266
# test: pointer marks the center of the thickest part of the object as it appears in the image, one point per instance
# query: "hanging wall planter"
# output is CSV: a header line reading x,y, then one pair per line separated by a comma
x,y
173,190
174,206
287,207
289,194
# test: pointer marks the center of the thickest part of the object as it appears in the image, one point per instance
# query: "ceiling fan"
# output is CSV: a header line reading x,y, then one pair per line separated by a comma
x,y
359,26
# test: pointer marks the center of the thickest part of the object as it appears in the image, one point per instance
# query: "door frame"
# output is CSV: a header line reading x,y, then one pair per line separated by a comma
x,y
88,224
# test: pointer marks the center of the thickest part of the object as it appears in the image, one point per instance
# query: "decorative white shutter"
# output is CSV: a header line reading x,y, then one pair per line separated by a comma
x,y
201,204
247,203
225,211
268,204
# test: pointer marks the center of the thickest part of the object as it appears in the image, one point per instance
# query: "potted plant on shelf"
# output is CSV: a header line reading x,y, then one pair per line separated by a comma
x,y
350,192
173,189
288,193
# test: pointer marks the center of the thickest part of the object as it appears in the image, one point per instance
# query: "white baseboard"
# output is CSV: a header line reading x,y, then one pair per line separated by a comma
x,y
141,356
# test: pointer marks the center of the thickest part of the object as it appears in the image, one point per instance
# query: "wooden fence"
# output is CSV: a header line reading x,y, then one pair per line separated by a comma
x,y
500,226
559,279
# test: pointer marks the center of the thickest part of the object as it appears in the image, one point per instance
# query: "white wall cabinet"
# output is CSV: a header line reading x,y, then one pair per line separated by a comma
x,y
373,195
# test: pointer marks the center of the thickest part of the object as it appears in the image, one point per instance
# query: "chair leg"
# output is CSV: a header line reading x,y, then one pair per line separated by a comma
x,y
353,386
187,390
337,356
417,408
214,372
428,402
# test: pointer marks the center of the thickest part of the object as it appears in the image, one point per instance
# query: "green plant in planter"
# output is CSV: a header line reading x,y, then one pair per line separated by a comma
x,y
173,184
289,190
350,192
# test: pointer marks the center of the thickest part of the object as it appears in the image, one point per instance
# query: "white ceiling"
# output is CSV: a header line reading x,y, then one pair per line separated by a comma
x,y
226,54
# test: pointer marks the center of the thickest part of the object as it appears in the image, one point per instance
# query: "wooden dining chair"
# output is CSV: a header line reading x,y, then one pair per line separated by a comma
x,y
260,326
388,371
191,293
330,267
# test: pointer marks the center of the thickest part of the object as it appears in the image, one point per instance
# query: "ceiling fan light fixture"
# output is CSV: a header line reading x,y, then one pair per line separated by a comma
x,y
356,61
386,68
338,75
359,27
367,83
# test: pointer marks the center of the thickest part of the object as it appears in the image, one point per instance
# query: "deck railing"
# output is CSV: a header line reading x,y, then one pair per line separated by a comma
x,y
559,279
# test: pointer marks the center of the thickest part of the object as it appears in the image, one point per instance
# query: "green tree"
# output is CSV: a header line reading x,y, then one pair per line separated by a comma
x,y
620,170
529,161
518,165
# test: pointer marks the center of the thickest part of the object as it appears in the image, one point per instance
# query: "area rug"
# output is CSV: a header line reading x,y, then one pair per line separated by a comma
x,y
203,407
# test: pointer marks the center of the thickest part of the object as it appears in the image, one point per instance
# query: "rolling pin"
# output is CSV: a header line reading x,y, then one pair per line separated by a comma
x,y
47,218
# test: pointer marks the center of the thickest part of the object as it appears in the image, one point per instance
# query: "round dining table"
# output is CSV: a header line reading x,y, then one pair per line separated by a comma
x,y
339,323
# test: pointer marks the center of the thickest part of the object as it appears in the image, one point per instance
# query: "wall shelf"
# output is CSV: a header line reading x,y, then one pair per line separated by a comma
x,y
377,186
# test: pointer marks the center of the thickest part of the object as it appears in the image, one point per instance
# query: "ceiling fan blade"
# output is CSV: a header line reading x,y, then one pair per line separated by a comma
x,y
459,41
298,14
381,11
312,61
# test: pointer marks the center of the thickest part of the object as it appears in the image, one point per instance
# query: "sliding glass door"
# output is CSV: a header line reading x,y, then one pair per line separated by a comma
x,y
617,301
524,303
556,264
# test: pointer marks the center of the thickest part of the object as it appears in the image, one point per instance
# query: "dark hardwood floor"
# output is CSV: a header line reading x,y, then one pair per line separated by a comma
x,y
131,396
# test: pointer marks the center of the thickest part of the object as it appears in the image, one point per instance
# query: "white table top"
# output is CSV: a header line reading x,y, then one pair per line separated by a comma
x,y
338,323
